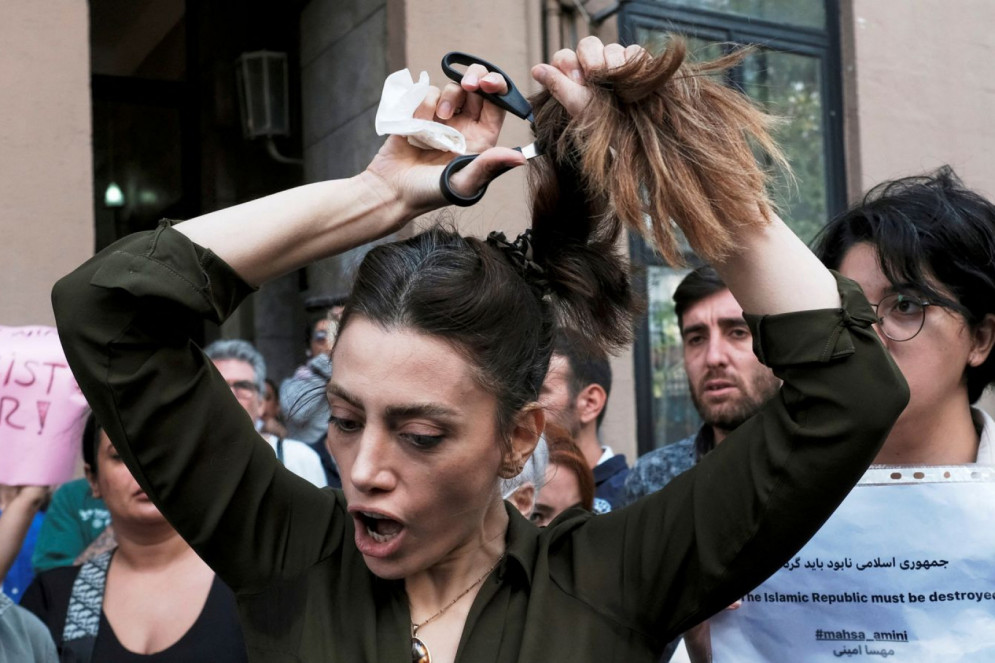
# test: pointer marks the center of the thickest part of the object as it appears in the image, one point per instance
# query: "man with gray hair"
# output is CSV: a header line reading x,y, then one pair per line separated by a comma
x,y
244,369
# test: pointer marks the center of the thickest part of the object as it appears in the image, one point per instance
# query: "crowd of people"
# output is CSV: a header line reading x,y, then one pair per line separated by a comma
x,y
433,483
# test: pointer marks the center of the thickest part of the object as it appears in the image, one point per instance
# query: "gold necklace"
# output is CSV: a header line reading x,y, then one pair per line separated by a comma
x,y
419,650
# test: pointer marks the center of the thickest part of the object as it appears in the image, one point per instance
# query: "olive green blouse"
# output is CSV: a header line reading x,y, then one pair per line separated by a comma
x,y
614,587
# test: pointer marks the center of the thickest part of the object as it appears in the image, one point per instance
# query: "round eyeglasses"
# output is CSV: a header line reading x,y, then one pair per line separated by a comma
x,y
901,317
244,388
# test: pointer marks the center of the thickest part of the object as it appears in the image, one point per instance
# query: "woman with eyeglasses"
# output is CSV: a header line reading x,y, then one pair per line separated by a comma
x,y
923,250
444,345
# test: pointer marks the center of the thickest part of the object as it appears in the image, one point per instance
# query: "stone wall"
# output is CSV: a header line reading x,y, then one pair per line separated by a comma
x,y
921,89
344,55
46,205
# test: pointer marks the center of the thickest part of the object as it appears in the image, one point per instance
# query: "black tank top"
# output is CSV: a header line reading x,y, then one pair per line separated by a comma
x,y
215,637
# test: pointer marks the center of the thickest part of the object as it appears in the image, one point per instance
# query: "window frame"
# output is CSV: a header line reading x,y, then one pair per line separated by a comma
x,y
823,44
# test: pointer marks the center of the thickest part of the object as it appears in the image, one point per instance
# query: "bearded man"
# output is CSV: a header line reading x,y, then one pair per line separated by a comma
x,y
728,383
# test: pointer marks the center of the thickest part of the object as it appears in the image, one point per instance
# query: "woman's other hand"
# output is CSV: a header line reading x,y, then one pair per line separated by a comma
x,y
566,76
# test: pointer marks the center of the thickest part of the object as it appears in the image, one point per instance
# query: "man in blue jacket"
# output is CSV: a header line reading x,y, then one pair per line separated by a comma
x,y
574,396
728,384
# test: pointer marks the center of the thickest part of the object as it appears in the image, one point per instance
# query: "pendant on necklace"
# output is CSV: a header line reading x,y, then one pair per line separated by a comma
x,y
419,651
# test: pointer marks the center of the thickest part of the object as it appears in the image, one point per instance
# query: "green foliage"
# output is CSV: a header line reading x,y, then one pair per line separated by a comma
x,y
789,87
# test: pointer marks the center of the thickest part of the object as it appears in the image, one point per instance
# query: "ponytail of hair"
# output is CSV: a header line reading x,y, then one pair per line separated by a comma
x,y
662,142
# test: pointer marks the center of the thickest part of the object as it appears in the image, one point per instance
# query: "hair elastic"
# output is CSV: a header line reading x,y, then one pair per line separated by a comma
x,y
520,254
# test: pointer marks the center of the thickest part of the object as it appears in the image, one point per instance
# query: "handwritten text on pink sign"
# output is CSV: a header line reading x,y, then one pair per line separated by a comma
x,y
42,411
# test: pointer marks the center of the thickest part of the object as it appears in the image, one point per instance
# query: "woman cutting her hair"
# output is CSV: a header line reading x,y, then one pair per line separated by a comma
x,y
444,344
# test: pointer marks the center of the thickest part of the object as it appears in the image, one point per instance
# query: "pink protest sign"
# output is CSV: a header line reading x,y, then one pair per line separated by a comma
x,y
42,411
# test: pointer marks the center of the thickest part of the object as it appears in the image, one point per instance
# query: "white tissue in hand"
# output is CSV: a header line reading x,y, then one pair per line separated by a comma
x,y
401,97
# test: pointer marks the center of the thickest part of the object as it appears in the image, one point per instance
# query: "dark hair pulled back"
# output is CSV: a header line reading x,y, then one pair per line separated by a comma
x,y
930,233
466,292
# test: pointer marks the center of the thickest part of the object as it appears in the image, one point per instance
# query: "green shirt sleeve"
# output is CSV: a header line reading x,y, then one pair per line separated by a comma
x,y
126,318
73,520
676,557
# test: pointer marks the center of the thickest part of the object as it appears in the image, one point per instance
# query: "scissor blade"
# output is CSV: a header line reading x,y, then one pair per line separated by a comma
x,y
530,151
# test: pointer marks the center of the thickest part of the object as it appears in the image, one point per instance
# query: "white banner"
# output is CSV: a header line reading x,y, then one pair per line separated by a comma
x,y
904,570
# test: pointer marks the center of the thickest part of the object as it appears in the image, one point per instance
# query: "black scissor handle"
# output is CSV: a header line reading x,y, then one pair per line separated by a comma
x,y
512,101
454,166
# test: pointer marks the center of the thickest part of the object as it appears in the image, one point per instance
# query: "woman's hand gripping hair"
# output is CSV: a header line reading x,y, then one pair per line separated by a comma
x,y
662,137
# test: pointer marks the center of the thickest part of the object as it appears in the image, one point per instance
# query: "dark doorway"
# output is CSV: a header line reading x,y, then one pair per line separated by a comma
x,y
145,153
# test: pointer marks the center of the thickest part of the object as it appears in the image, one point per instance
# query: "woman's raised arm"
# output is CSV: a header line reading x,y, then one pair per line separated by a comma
x,y
271,236
676,146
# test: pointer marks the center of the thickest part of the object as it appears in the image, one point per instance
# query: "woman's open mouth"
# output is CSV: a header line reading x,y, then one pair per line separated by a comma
x,y
380,528
377,535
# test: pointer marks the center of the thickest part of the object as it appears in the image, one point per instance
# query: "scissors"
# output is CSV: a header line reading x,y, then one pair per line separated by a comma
x,y
511,101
